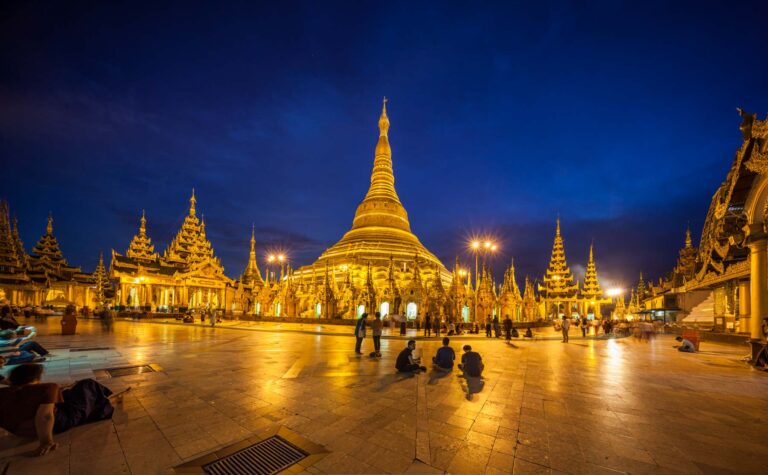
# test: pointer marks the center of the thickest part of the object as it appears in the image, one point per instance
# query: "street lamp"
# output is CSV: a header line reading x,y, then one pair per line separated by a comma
x,y
477,247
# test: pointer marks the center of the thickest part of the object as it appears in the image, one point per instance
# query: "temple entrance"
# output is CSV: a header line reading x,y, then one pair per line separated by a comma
x,y
318,310
384,309
257,308
360,310
411,310
465,314
277,309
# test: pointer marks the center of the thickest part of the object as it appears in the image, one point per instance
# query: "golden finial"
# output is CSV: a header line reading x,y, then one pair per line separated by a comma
x,y
192,202
49,228
383,120
557,230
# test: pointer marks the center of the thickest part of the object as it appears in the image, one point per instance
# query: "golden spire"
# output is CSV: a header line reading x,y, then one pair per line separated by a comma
x,y
49,228
143,224
688,240
192,202
253,239
381,205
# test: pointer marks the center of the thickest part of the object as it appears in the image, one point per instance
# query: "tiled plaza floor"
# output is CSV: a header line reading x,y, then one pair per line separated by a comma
x,y
590,406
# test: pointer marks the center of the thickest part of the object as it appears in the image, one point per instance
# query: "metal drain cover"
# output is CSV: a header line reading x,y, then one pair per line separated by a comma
x,y
127,370
267,457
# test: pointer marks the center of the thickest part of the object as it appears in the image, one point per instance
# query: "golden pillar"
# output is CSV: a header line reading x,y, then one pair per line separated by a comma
x,y
757,240
744,306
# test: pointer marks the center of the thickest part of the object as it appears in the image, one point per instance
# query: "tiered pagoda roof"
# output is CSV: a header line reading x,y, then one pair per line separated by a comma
x,y
558,280
11,263
47,262
591,288
103,285
190,248
141,247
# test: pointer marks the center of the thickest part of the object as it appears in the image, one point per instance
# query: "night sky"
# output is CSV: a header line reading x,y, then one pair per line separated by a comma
x,y
619,116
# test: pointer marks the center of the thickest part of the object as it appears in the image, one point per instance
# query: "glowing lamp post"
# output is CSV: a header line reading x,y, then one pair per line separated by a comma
x,y
477,247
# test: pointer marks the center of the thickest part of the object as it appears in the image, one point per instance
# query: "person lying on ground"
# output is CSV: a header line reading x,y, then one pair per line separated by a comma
x,y
687,345
406,362
471,363
29,408
443,359
16,349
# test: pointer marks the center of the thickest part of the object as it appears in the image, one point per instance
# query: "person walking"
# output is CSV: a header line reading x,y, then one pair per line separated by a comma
x,y
565,327
488,326
496,327
212,316
436,326
360,333
584,326
376,327
427,325
508,328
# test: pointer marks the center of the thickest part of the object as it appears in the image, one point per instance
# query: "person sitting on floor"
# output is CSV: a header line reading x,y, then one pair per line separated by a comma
x,y
406,362
15,349
471,363
528,333
7,322
443,359
29,408
687,346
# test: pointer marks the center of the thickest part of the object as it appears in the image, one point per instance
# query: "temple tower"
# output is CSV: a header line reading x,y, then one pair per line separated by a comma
x,y
141,247
591,291
559,289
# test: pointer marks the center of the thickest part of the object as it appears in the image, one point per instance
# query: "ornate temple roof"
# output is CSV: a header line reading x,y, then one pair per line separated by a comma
x,y
141,247
591,287
380,228
189,250
11,263
558,280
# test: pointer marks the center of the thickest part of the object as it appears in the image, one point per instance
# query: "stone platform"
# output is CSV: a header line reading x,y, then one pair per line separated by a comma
x,y
590,406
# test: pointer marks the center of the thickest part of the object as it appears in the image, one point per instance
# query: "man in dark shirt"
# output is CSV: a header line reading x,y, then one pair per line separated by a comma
x,y
406,362
445,356
471,363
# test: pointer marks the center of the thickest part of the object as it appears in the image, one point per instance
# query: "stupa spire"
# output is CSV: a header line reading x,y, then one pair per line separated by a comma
x,y
558,280
591,284
192,202
688,240
252,275
381,205
49,227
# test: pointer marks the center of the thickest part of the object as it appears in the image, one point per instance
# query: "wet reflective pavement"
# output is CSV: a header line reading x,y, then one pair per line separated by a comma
x,y
589,406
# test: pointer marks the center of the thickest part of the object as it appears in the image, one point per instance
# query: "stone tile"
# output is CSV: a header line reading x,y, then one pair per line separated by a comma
x,y
576,409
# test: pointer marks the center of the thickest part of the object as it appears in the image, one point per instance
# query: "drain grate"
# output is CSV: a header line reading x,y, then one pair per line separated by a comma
x,y
95,348
129,370
264,458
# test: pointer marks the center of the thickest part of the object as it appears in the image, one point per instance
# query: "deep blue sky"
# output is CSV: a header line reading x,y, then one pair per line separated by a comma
x,y
619,116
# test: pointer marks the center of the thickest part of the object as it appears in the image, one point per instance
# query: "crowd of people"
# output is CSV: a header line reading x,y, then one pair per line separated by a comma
x,y
471,364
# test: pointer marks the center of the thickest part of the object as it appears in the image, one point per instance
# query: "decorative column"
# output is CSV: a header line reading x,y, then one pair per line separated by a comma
x,y
757,240
743,306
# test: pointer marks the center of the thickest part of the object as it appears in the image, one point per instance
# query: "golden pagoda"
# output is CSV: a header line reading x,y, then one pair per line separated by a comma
x,y
380,249
559,289
591,293
510,300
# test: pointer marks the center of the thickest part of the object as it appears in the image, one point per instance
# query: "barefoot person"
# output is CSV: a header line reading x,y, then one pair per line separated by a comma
x,y
29,408
471,363
445,356
406,362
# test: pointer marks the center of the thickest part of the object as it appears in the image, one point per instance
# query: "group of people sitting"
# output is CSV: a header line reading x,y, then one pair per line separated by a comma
x,y
471,361
16,342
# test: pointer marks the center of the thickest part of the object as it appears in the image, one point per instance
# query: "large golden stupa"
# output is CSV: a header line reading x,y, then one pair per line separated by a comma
x,y
380,246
